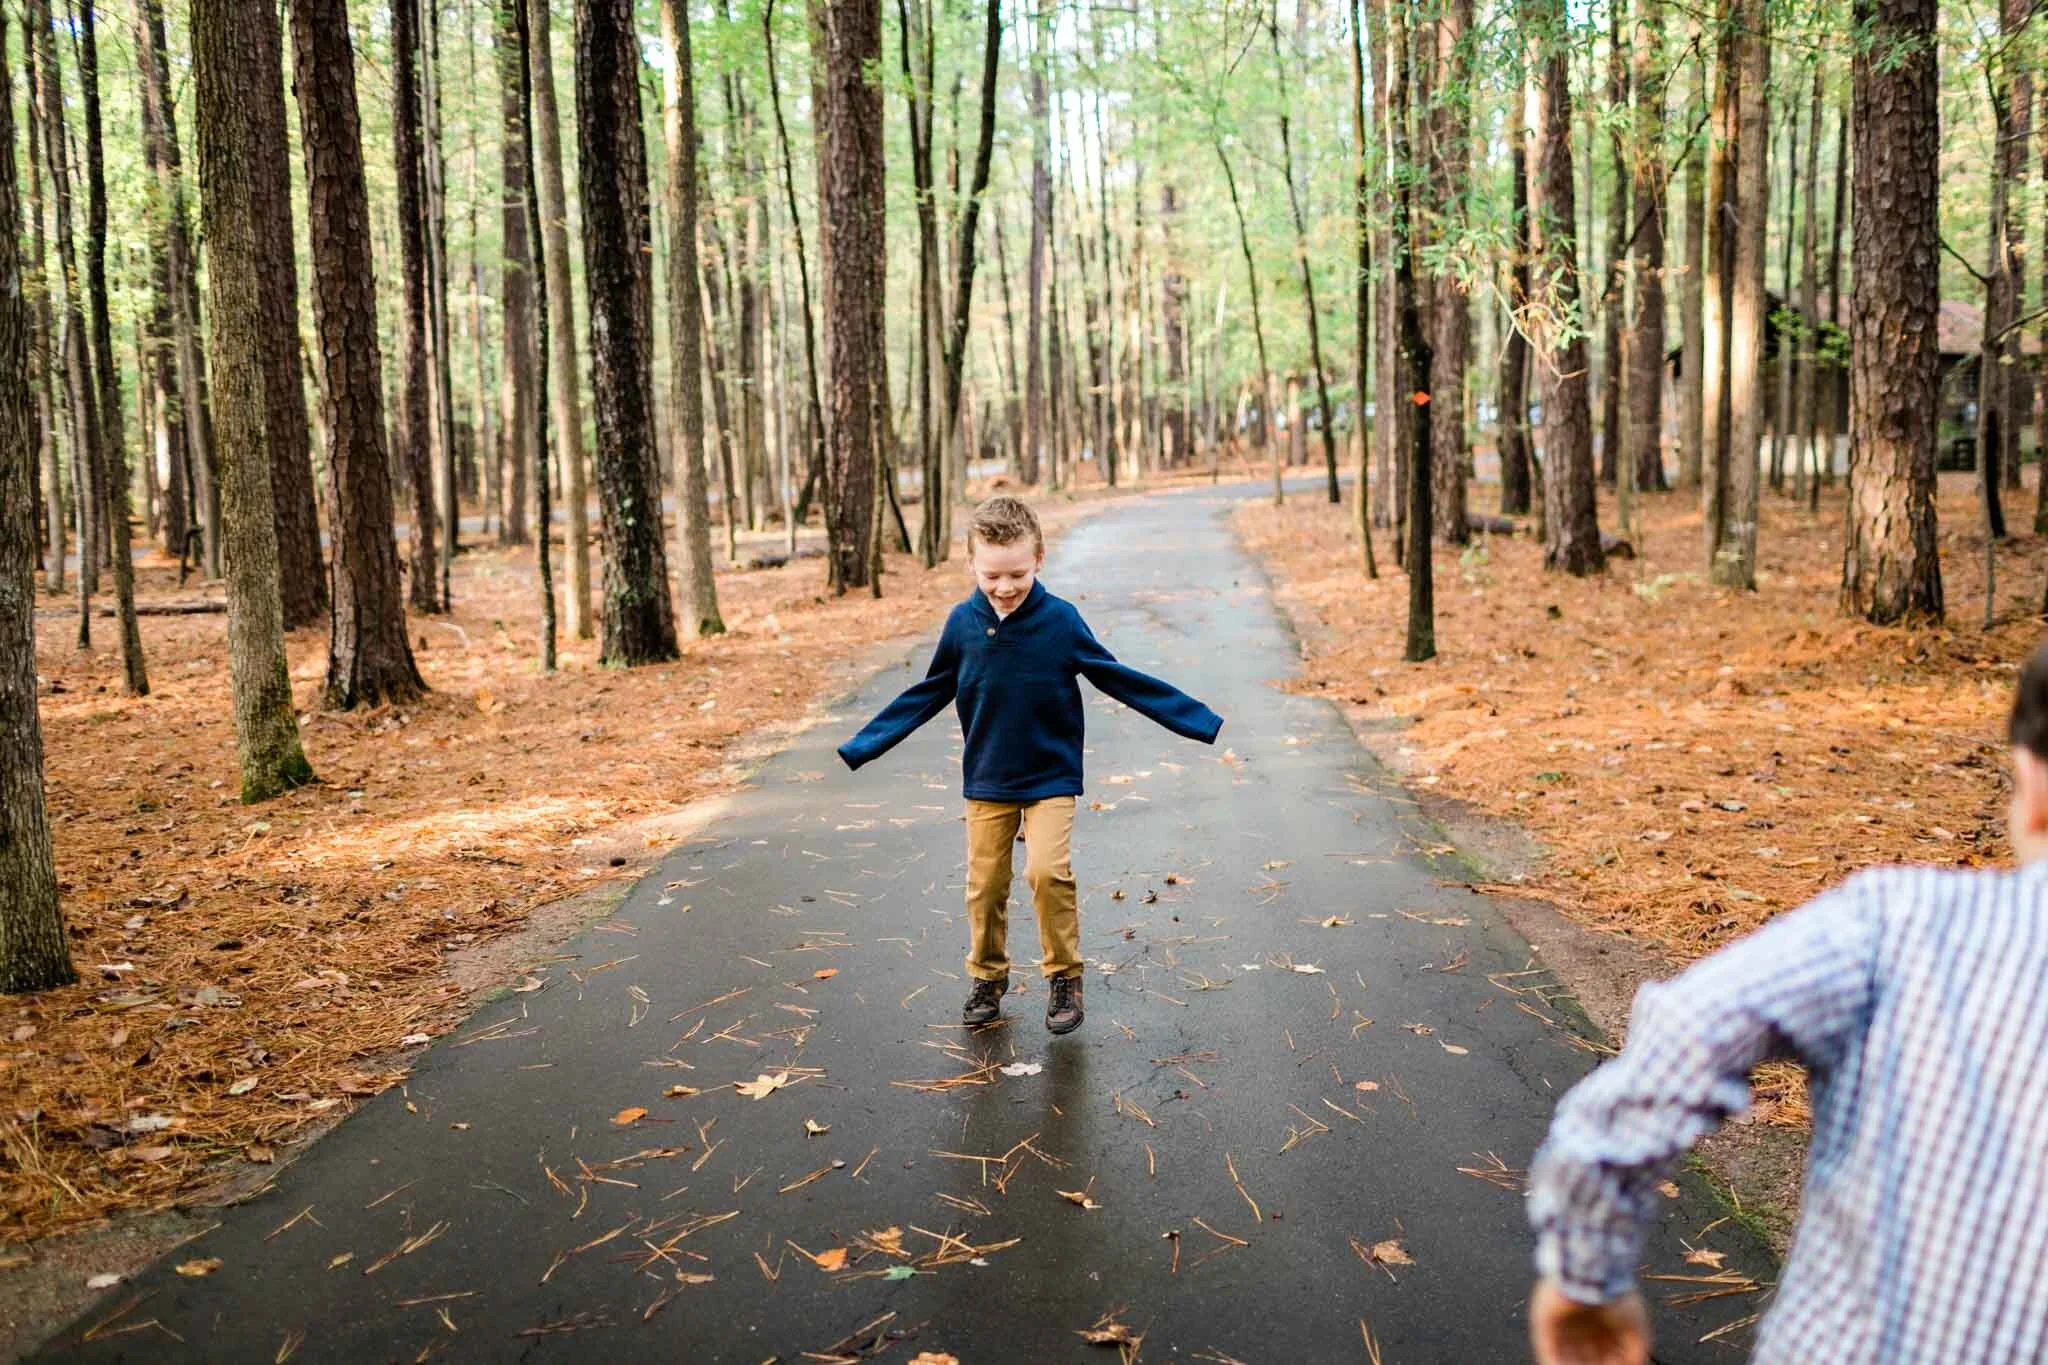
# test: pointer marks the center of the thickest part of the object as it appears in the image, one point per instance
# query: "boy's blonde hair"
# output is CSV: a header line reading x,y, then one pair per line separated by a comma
x,y
1004,520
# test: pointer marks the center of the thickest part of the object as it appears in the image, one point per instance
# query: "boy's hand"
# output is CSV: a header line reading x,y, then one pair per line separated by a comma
x,y
1567,1332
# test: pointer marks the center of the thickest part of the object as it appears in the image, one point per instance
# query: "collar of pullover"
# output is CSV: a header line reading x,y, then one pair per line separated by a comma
x,y
986,612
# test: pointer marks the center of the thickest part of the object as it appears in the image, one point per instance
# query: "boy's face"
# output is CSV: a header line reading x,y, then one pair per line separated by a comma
x,y
2027,819
1005,573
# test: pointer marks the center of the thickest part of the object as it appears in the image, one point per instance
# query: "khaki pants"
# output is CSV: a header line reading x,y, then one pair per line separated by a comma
x,y
1048,835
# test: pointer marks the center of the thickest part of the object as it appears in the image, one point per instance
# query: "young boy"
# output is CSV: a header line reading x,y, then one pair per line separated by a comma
x,y
1914,995
1009,655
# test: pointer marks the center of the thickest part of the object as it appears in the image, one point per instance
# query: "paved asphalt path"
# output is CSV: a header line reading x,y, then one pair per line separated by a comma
x,y
491,1208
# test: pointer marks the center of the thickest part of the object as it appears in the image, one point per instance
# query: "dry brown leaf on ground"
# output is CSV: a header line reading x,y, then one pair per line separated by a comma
x,y
627,1117
762,1085
1391,1252
196,1269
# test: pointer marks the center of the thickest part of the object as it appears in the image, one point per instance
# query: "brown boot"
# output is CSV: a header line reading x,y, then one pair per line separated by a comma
x,y
984,1003
1063,1010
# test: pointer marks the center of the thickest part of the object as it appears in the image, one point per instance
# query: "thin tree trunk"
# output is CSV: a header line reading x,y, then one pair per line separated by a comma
x,y
1514,356
965,240
228,38
1451,159
1415,348
1613,294
1891,569
1803,403
1788,363
544,510
43,350
35,952
284,392
440,356
1361,209
1733,559
415,414
519,417
638,622
1834,405
1392,412
1693,359
114,495
369,656
815,418
1308,287
565,387
1717,309
1034,270
698,588
81,401
1251,271
1644,344
1572,544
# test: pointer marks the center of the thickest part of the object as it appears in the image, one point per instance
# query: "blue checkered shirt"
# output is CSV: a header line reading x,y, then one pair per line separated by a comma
x,y
1918,997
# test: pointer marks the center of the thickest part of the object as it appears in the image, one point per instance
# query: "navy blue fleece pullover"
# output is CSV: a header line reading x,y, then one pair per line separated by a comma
x,y
1013,679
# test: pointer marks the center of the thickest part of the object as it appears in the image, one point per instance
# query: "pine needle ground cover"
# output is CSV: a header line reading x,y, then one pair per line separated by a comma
x,y
1694,760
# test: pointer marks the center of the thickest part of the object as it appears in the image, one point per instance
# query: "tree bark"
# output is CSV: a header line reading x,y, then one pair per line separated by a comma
x,y
286,426
698,587
1415,348
1251,270
1572,543
114,495
1891,570
1034,269
415,413
1693,360
1361,209
1803,403
852,203
227,64
87,462
43,355
1788,360
565,387
813,404
1613,295
35,953
638,625
1732,540
1644,343
518,415
543,503
1308,290
1451,158
440,357
1718,303
369,656
1514,355
966,238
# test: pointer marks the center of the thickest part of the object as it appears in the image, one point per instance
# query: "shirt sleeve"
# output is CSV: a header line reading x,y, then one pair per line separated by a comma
x,y
1798,988
913,708
1158,701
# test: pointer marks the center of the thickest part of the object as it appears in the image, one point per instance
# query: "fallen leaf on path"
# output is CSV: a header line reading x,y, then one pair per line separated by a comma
x,y
1023,1068
103,1282
1668,1190
193,1270
1456,1051
825,973
1366,1085
1308,969
1338,922
1391,1253
762,1085
629,1116
527,984
1079,1197
899,1272
813,1128
835,1259
680,1092
933,1358
1107,1331
243,1086
685,1277
1701,1256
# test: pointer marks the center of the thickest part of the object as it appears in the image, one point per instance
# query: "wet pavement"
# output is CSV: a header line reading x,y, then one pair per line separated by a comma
x,y
1312,1070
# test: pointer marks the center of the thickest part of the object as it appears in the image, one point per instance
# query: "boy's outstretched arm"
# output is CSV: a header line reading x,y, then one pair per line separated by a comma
x,y
1156,700
1798,987
913,708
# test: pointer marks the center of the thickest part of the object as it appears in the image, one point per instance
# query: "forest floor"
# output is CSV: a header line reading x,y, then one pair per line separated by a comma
x,y
1692,759
248,974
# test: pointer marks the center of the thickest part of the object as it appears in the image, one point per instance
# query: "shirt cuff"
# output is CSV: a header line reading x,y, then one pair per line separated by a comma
x,y
1591,1264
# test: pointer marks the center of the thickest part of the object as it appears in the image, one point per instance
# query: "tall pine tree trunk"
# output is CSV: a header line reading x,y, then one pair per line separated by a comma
x,y
440,358
284,392
369,655
638,625
114,499
228,37
1615,288
35,952
55,525
415,411
1693,360
1361,210
565,385
518,414
1643,345
1415,348
1571,521
852,197
1514,355
698,587
1451,159
1308,291
1732,546
1891,569
1807,418
1034,269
